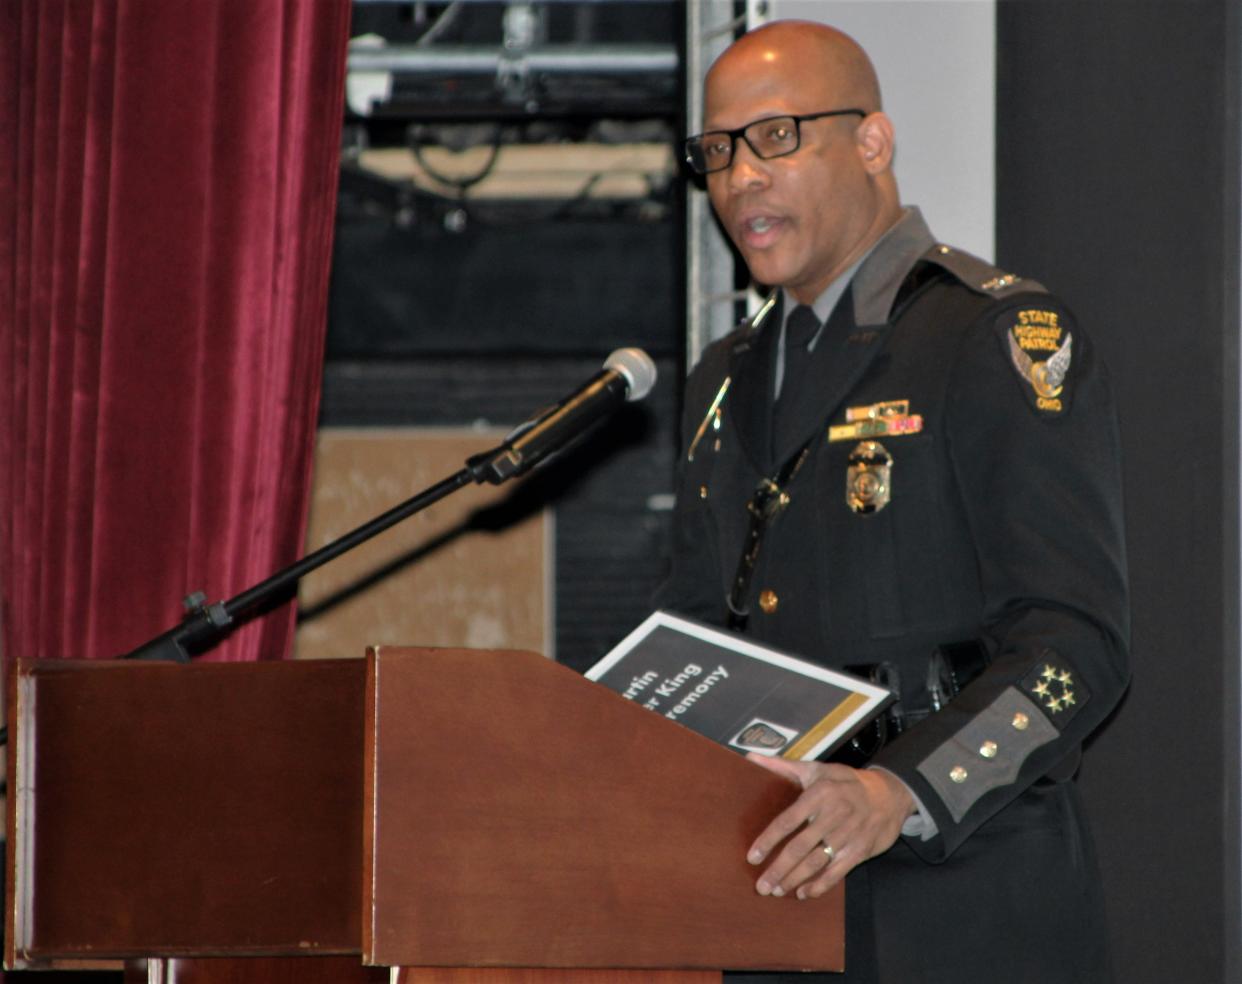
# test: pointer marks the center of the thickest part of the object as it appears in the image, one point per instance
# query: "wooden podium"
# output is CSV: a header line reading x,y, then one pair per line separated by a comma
x,y
464,815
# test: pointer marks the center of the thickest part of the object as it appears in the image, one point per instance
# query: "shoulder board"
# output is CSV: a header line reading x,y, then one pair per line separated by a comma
x,y
979,275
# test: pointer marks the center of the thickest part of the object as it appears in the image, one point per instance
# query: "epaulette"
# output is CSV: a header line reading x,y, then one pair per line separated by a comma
x,y
979,275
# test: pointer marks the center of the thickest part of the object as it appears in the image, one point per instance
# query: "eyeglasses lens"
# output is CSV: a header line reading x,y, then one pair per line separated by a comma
x,y
767,138
774,137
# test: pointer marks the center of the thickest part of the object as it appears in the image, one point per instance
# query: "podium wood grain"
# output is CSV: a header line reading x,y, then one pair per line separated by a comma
x,y
163,809
519,816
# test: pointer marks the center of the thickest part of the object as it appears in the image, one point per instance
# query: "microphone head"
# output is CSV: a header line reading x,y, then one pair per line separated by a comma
x,y
637,368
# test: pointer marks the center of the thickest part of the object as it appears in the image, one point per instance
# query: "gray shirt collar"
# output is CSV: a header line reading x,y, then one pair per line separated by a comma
x,y
884,269
877,276
823,305
823,308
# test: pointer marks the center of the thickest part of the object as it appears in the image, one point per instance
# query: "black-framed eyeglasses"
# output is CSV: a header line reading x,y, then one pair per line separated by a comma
x,y
772,136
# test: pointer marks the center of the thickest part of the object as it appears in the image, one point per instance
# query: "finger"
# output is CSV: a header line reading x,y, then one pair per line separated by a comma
x,y
803,858
799,772
800,859
842,863
786,823
816,858
805,809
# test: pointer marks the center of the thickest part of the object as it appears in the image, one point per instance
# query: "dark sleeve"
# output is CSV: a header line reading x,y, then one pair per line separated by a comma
x,y
1037,469
693,587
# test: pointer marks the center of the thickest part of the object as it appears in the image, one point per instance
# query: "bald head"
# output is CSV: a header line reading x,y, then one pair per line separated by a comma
x,y
817,56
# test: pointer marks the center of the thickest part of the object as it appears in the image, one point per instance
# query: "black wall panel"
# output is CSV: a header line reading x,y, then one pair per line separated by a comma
x,y
543,278
1117,175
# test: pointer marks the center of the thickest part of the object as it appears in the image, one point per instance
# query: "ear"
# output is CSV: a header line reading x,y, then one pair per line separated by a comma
x,y
874,139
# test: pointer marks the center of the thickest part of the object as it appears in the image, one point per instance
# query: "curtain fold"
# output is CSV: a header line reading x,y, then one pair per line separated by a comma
x,y
167,188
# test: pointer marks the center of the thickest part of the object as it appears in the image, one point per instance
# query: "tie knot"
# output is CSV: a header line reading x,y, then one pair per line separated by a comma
x,y
800,327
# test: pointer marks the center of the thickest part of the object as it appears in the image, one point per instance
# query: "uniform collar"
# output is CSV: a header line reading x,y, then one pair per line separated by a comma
x,y
826,303
846,346
884,270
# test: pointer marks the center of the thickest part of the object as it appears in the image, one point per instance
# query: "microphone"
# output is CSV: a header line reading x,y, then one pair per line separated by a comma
x,y
628,375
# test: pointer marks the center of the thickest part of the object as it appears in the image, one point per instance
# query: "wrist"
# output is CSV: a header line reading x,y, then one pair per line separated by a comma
x,y
899,793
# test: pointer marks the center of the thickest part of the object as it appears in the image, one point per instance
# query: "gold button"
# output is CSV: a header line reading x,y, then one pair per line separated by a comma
x,y
943,250
958,774
768,601
702,491
1020,721
988,749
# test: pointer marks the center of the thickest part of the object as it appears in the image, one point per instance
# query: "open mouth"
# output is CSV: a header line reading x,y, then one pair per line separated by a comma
x,y
760,230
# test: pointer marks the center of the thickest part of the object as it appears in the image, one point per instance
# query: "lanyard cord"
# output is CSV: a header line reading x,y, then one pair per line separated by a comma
x,y
768,502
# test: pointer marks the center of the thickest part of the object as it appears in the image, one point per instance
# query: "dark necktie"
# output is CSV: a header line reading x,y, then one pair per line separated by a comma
x,y
800,329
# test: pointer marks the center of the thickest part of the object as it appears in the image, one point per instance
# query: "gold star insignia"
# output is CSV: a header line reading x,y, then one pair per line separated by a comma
x,y
1053,688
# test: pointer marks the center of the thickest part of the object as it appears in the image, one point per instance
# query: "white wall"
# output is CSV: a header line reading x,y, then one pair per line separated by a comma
x,y
937,65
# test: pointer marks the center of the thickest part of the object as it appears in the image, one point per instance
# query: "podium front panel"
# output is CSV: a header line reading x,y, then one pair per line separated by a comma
x,y
162,809
518,815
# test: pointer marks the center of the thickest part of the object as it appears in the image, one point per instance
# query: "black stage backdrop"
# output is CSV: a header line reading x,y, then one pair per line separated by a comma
x,y
1118,186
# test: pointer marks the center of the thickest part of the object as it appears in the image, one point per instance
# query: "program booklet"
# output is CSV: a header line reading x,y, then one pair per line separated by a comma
x,y
735,691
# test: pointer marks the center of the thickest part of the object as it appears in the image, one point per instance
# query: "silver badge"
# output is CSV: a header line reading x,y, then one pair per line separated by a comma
x,y
869,480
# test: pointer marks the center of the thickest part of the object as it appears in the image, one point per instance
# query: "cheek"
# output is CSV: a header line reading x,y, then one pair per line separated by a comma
x,y
829,214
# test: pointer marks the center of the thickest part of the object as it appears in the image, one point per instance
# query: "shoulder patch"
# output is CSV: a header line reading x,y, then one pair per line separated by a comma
x,y
979,275
1039,344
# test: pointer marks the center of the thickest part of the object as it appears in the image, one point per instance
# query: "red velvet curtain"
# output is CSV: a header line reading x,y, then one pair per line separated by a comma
x,y
167,187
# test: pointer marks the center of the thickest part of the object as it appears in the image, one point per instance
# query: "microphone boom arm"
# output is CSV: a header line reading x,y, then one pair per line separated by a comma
x,y
628,374
204,625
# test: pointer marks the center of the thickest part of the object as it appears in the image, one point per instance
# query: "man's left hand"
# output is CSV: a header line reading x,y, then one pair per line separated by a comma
x,y
843,817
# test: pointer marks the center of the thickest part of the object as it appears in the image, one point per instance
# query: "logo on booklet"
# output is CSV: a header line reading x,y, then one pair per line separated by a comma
x,y
763,737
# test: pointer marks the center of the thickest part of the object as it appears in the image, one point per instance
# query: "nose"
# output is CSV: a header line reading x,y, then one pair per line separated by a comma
x,y
748,171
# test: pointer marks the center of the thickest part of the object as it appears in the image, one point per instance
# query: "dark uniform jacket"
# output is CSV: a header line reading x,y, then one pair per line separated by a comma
x,y
962,483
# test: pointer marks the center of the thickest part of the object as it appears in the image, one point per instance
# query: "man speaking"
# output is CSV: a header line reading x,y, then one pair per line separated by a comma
x,y
907,465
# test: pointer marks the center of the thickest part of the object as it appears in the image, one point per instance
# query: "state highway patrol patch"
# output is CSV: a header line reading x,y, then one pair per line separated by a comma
x,y
1041,349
